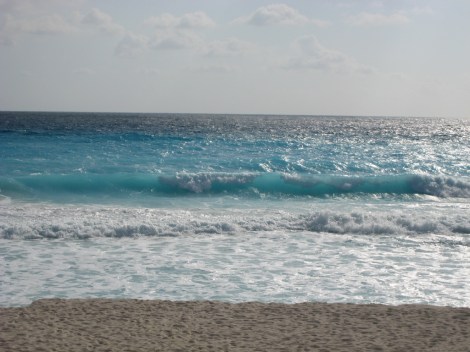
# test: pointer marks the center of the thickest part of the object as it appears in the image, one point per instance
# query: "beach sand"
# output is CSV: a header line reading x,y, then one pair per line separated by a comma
x,y
139,325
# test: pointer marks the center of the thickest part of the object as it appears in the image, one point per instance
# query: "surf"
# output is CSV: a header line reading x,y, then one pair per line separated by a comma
x,y
48,221
239,184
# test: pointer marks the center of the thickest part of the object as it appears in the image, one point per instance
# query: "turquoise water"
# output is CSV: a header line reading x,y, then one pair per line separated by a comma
x,y
271,208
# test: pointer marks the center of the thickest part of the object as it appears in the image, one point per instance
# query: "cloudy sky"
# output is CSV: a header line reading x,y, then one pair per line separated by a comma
x,y
315,57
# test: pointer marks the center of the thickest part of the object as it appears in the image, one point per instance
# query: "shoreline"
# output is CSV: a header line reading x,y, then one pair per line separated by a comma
x,y
161,325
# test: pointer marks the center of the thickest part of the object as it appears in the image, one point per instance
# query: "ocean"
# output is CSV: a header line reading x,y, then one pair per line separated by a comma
x,y
234,208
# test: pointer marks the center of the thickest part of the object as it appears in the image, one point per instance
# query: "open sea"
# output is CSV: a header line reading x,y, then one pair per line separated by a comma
x,y
234,208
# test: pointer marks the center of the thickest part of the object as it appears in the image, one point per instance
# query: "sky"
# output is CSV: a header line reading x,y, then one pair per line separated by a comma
x,y
316,57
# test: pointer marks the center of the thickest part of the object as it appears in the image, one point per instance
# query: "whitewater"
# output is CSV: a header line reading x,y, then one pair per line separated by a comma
x,y
234,208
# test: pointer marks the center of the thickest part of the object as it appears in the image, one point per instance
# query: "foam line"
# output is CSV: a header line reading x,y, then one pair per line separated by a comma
x,y
72,222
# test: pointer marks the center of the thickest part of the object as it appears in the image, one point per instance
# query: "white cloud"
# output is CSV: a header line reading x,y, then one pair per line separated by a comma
x,y
193,20
228,47
33,17
51,24
196,20
131,45
276,14
178,32
30,6
165,20
319,23
425,10
170,40
103,21
312,55
366,19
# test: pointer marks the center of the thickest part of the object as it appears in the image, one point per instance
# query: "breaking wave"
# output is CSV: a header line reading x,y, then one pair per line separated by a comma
x,y
181,184
36,221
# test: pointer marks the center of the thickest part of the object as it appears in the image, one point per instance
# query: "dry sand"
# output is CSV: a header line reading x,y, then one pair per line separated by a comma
x,y
136,325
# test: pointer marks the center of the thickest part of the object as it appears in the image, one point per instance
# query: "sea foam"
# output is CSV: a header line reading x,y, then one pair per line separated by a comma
x,y
33,221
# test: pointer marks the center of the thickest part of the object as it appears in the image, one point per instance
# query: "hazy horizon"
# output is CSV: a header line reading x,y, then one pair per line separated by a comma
x,y
230,114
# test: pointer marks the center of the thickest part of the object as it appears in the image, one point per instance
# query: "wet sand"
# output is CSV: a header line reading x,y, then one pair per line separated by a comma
x,y
139,325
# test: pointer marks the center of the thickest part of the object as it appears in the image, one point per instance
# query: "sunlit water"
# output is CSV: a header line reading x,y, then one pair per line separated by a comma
x,y
234,208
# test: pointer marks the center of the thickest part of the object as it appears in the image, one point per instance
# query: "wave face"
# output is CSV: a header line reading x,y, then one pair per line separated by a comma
x,y
45,187
272,183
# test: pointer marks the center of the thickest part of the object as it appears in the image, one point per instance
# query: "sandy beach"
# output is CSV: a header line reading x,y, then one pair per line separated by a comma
x,y
138,325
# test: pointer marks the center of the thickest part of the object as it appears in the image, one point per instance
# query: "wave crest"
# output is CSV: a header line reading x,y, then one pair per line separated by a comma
x,y
181,184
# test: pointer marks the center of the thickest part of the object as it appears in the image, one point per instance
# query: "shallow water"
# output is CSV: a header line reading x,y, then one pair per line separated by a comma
x,y
293,267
